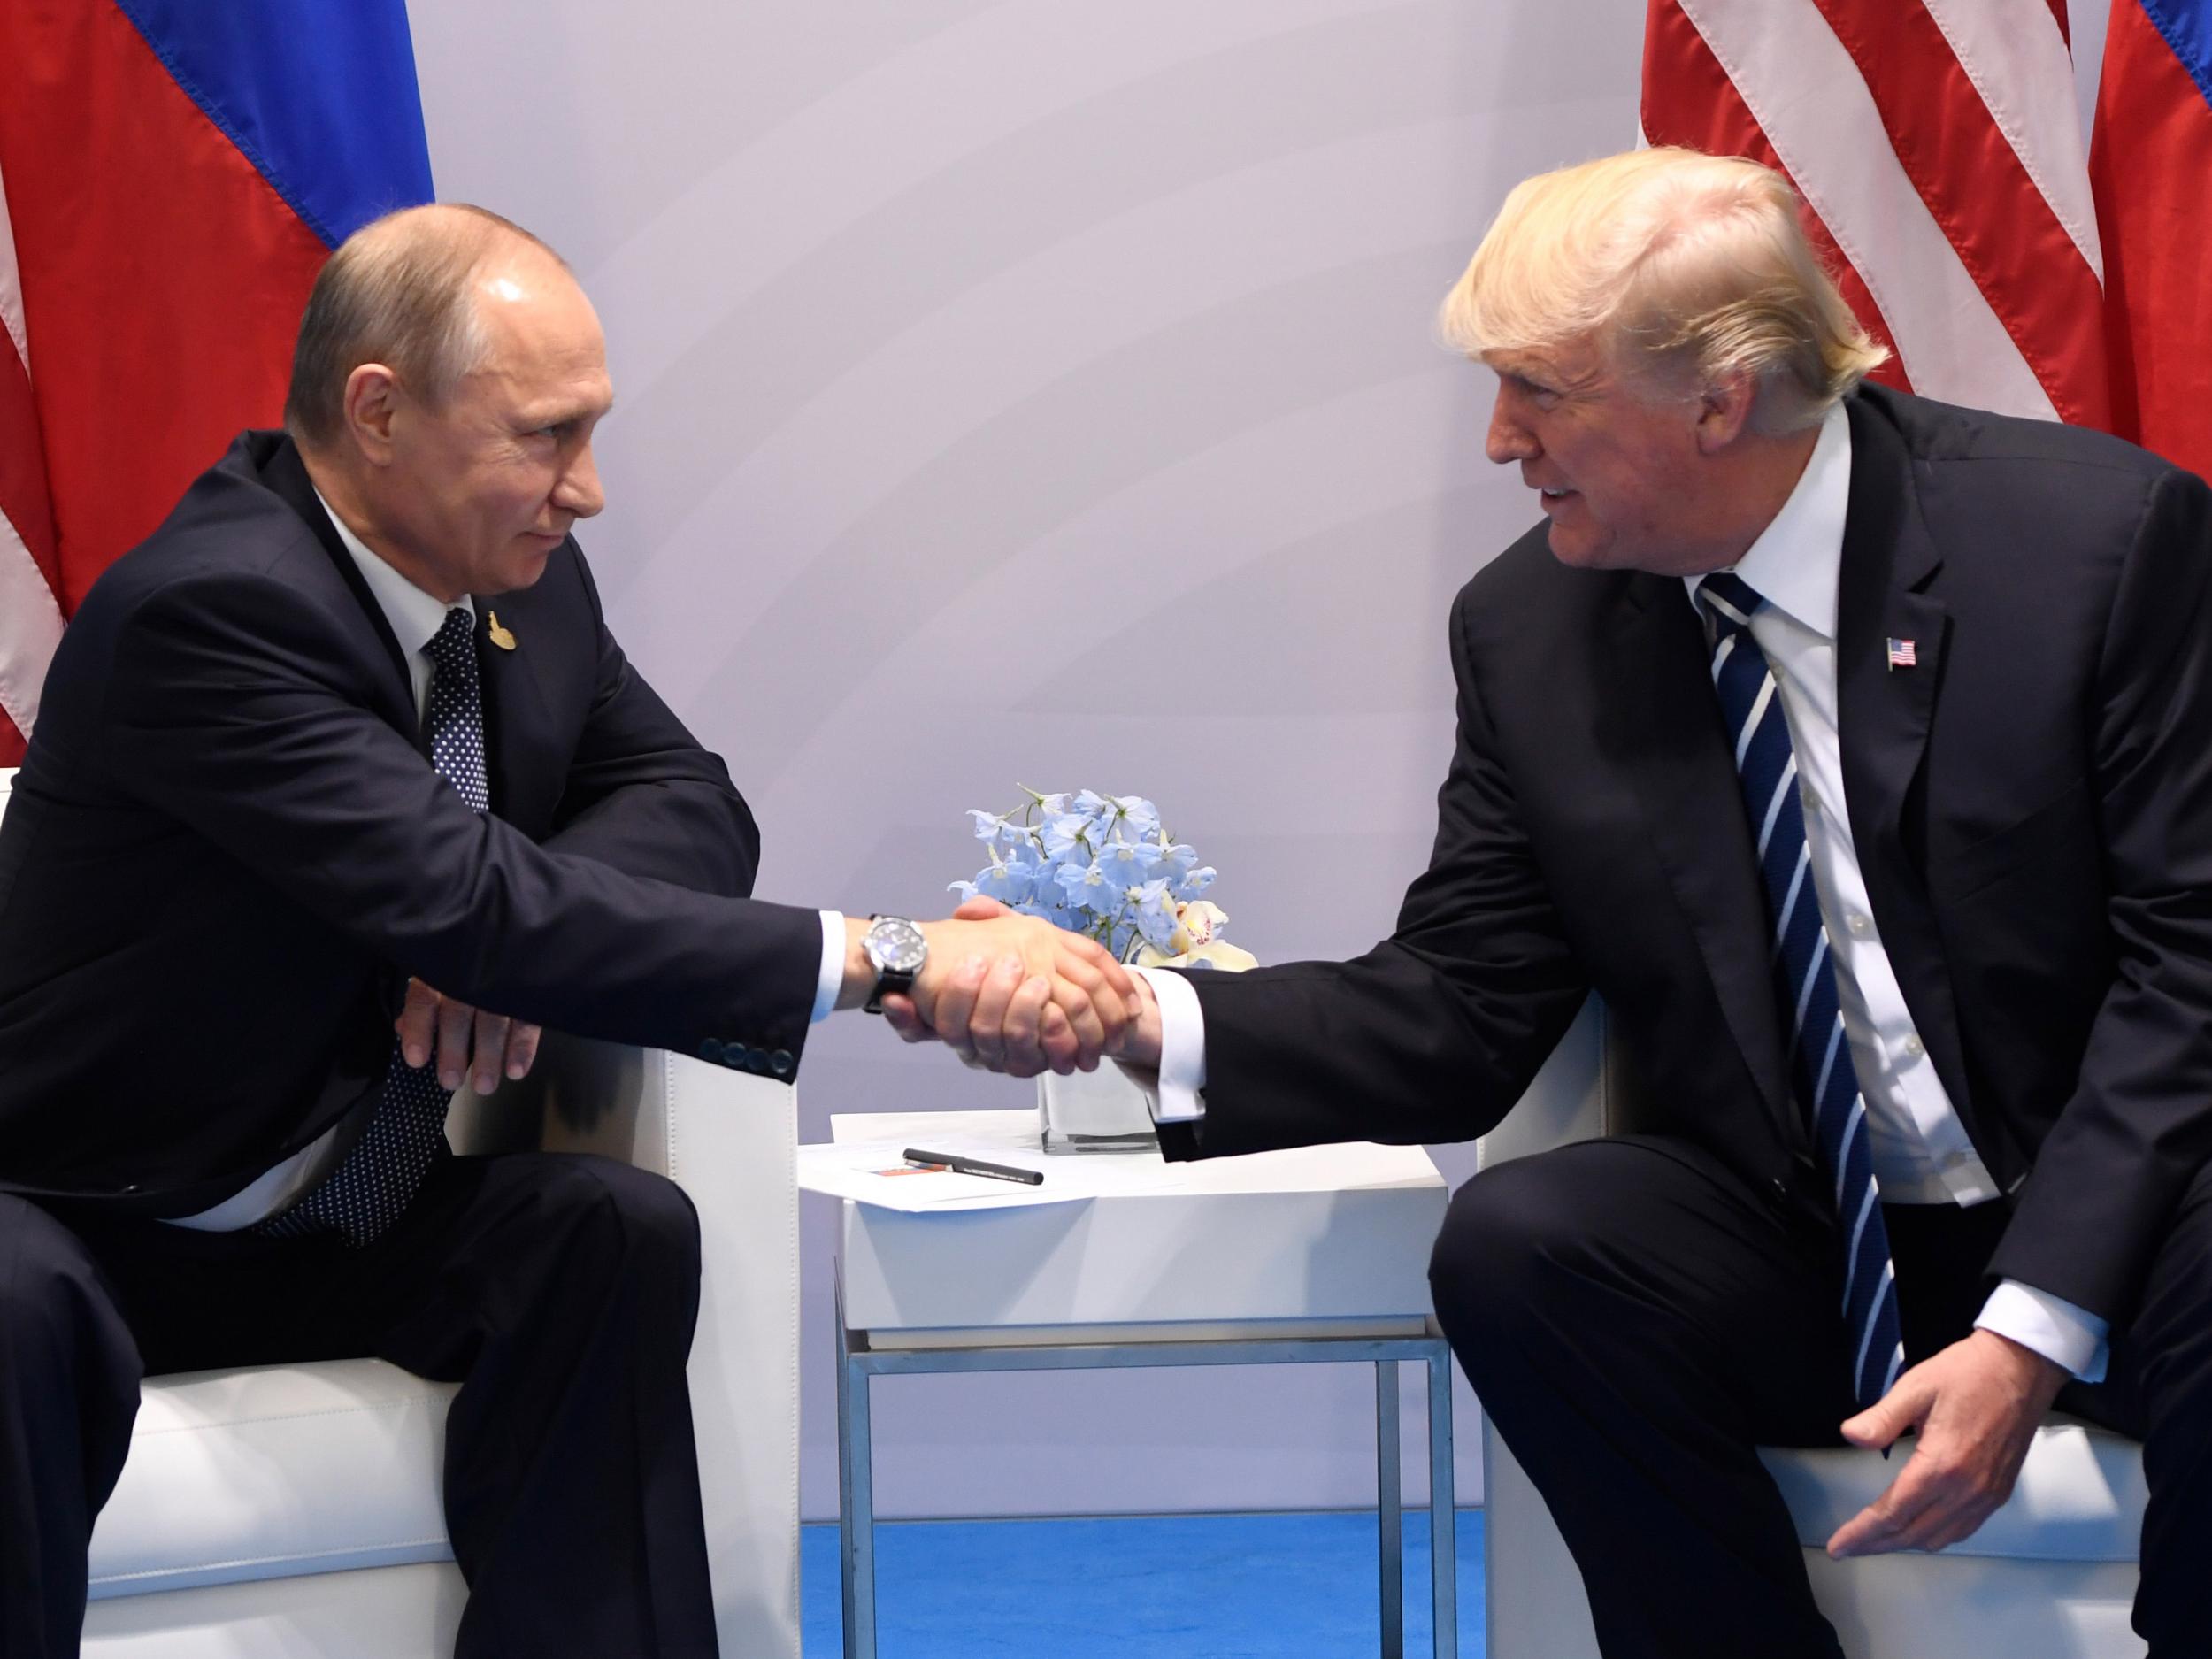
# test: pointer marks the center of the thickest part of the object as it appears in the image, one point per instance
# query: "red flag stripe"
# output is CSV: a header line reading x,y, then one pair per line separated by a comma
x,y
12,743
1801,85
1688,99
2149,162
2006,232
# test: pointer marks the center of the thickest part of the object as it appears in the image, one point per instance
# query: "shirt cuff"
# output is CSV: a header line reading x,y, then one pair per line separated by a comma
x,y
1173,1093
831,979
2060,1331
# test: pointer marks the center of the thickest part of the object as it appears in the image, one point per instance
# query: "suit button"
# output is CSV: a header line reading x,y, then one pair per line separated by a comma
x,y
780,1062
1779,1192
711,1051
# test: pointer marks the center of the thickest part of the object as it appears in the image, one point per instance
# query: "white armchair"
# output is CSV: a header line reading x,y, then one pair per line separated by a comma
x,y
292,1512
2051,1575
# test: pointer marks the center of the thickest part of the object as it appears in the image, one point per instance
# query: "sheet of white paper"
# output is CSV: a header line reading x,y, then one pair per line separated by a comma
x,y
876,1173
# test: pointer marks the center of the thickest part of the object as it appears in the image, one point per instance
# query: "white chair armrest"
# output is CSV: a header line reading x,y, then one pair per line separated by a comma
x,y
728,1139
1567,1100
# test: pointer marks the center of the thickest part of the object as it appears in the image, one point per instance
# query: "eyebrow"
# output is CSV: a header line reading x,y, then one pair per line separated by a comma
x,y
565,415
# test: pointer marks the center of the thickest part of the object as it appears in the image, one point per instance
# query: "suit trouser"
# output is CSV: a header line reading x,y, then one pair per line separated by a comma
x,y
1637,1319
559,1291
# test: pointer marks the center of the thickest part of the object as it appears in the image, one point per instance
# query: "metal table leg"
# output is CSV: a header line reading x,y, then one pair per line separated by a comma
x,y
855,1505
1389,1519
1443,1540
858,1364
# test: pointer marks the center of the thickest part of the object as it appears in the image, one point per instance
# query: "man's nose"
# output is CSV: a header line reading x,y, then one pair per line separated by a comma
x,y
578,490
1507,440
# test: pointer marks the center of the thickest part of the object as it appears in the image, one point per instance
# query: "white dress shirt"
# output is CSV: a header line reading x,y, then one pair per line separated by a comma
x,y
415,618
1920,1148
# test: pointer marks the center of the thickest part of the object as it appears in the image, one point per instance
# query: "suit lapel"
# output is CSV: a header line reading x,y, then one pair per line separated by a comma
x,y
523,767
1671,737
1889,590
1889,560
285,475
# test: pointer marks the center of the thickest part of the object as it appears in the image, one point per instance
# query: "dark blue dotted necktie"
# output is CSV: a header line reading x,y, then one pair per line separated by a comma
x,y
1825,1082
366,1193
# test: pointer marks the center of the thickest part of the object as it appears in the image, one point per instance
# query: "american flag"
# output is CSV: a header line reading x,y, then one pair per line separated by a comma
x,y
1938,145
1902,653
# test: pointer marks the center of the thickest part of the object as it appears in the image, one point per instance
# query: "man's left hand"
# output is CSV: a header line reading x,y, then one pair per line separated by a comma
x,y
1977,1405
463,1039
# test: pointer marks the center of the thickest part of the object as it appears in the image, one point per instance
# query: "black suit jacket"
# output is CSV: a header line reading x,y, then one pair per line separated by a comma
x,y
2032,807
227,851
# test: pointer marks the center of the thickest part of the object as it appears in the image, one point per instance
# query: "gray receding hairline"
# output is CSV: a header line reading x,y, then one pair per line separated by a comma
x,y
398,291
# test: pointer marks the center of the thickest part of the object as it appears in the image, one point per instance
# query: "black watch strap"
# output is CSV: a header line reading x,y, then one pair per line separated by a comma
x,y
891,981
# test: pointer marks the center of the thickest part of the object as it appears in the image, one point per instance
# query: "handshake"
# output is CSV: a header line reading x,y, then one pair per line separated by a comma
x,y
1013,993
1005,991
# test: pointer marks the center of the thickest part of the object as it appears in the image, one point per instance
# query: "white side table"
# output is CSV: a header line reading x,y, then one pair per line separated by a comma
x,y
1315,1254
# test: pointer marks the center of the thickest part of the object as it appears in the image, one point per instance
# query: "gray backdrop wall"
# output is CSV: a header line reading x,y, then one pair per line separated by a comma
x,y
1044,392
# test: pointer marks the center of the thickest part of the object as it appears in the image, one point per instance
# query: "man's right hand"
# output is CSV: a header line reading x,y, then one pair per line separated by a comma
x,y
1006,991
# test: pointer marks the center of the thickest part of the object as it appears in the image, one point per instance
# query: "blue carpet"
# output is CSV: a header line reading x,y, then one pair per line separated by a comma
x,y
1177,1587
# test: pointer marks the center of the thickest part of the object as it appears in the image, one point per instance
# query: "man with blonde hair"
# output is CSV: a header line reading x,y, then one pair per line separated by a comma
x,y
1853,748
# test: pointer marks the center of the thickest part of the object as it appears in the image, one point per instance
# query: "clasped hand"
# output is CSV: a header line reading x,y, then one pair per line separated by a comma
x,y
1013,993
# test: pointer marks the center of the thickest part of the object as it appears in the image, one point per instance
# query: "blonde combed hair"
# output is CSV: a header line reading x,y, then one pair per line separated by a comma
x,y
1687,269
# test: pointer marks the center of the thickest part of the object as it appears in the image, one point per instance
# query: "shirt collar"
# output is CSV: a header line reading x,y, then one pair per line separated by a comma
x,y
1794,563
415,616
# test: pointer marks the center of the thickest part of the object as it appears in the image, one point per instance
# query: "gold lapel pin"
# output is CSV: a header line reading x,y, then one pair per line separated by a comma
x,y
500,636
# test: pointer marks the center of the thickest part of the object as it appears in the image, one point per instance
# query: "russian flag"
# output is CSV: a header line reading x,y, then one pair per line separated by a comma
x,y
173,175
2150,160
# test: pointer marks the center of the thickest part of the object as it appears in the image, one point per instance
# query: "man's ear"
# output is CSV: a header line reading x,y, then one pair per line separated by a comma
x,y
371,407
1724,412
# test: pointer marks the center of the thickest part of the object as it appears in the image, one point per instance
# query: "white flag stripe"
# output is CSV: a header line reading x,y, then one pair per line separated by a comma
x,y
12,285
1814,108
2020,66
30,628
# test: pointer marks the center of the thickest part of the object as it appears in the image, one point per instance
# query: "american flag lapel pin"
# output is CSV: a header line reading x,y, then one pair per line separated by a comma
x,y
1902,653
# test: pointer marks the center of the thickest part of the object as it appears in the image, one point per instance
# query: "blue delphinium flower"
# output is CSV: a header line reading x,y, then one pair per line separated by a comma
x,y
1195,882
1135,814
1087,885
1172,862
1154,914
1090,863
1127,864
1069,834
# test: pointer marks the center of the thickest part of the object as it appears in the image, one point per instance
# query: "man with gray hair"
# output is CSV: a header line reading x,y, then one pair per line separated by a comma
x,y
1853,750
341,789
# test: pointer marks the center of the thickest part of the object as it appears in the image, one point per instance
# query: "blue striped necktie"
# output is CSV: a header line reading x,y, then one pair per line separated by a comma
x,y
1821,1073
366,1193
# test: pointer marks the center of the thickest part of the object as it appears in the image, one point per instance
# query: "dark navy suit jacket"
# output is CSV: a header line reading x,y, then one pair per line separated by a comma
x,y
2032,805
227,851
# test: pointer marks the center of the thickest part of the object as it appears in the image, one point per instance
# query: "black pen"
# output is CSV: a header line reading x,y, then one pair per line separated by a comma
x,y
959,1165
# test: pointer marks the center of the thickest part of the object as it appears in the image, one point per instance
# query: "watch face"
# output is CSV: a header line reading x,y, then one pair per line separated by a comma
x,y
897,945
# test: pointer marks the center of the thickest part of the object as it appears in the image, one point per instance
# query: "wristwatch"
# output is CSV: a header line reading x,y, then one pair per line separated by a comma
x,y
898,950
